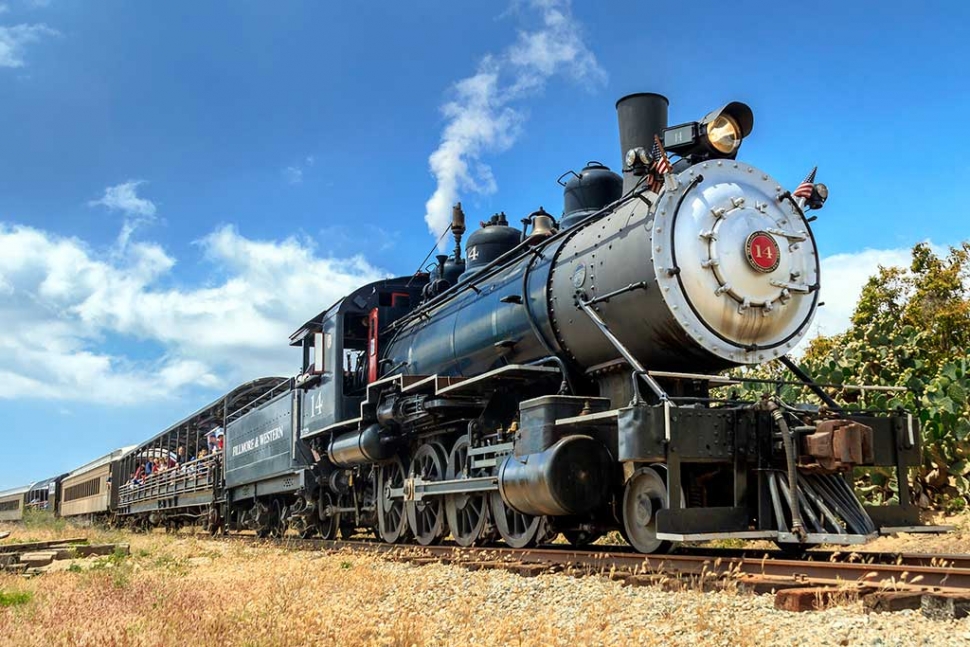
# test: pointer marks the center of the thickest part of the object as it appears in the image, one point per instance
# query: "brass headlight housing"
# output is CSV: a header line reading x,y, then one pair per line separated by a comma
x,y
717,135
724,134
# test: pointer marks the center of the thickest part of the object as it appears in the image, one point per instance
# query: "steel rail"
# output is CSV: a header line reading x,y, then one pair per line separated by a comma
x,y
906,571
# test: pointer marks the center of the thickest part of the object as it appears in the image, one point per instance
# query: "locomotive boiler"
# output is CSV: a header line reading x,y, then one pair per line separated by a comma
x,y
713,272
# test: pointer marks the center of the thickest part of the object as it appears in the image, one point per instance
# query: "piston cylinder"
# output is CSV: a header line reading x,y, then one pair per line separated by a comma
x,y
571,477
359,448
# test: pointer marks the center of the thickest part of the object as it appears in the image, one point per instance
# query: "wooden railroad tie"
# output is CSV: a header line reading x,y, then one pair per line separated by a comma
x,y
35,561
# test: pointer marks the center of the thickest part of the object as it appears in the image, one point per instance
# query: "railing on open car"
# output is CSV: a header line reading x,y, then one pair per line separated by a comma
x,y
193,476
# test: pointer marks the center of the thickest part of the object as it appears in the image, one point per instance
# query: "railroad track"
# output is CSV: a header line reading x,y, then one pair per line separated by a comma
x,y
757,571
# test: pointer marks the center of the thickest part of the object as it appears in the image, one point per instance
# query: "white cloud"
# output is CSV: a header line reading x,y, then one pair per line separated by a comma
x,y
293,174
842,278
75,318
479,117
124,197
13,41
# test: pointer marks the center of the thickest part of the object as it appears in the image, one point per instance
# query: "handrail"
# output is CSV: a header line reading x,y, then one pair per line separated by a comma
x,y
192,476
730,379
269,395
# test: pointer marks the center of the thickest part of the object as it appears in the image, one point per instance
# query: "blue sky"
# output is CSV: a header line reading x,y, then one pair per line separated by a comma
x,y
182,184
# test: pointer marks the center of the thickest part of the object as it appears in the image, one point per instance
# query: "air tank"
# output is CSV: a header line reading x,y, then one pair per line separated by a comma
x,y
588,191
360,447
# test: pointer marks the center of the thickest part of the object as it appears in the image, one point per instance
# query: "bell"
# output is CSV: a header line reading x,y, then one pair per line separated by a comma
x,y
543,226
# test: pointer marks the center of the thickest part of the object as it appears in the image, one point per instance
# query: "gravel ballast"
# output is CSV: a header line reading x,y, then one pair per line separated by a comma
x,y
178,590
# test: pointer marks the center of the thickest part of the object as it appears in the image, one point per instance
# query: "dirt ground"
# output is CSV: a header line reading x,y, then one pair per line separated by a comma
x,y
189,590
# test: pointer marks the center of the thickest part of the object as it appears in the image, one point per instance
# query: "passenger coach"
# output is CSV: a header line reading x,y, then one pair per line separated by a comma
x,y
12,504
86,493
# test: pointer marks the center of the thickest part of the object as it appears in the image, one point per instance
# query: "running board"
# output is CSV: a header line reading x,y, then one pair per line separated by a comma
x,y
714,536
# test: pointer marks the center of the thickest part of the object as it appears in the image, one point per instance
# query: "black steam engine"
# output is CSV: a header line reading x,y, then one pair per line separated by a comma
x,y
558,378
562,378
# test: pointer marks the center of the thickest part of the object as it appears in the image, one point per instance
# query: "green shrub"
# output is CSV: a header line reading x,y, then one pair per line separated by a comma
x,y
35,519
15,598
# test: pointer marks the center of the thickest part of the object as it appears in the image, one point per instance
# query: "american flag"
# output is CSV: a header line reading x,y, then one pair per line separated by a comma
x,y
805,189
661,165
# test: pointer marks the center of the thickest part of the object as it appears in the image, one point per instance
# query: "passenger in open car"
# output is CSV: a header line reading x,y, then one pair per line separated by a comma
x,y
201,464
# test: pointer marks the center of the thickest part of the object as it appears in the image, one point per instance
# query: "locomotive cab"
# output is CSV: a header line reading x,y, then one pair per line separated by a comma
x,y
342,349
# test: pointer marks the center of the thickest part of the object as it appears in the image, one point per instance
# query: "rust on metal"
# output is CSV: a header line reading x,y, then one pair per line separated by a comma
x,y
840,445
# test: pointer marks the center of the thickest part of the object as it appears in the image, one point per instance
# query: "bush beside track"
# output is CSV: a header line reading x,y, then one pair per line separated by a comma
x,y
910,328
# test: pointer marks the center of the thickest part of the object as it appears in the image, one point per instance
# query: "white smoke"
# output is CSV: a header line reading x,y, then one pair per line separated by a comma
x,y
480,118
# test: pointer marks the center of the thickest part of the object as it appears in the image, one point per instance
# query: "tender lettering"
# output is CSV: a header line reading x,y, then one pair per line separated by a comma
x,y
257,441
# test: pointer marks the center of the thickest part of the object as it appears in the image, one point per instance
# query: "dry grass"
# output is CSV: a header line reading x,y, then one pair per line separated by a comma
x,y
957,541
186,590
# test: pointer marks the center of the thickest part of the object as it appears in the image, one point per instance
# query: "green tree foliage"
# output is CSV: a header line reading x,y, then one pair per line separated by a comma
x,y
912,328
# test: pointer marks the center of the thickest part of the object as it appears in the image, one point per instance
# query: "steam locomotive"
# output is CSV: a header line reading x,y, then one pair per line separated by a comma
x,y
559,379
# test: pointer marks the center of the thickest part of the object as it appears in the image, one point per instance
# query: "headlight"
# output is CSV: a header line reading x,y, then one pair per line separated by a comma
x,y
631,158
637,157
717,135
723,134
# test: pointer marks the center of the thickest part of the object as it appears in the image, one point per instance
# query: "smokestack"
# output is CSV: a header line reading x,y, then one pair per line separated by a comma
x,y
641,116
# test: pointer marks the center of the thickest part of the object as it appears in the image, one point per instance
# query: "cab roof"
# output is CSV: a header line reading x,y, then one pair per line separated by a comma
x,y
357,299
